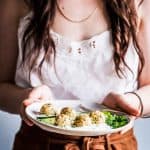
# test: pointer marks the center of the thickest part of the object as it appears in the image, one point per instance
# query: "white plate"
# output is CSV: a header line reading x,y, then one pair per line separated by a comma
x,y
80,131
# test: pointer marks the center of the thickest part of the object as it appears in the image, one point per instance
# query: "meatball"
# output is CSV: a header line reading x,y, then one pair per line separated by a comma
x,y
97,117
63,120
47,109
69,112
82,120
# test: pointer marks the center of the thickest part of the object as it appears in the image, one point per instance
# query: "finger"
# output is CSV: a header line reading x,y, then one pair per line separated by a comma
x,y
122,102
25,118
117,102
110,104
29,101
25,103
28,122
128,109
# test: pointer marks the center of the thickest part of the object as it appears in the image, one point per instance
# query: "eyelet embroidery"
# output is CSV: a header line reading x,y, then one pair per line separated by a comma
x,y
93,44
79,50
58,42
69,49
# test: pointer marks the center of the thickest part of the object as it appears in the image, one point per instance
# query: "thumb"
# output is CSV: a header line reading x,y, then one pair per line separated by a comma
x,y
28,102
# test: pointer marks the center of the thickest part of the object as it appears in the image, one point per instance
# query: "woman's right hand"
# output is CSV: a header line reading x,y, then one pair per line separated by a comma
x,y
42,92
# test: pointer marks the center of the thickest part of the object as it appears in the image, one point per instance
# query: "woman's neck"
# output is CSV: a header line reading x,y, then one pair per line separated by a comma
x,y
76,4
77,9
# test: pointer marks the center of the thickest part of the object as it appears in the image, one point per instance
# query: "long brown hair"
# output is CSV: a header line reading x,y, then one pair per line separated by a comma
x,y
123,19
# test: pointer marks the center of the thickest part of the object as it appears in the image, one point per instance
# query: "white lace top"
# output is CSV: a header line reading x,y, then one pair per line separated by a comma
x,y
84,69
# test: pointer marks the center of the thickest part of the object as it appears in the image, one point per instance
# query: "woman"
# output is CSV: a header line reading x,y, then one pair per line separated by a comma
x,y
77,50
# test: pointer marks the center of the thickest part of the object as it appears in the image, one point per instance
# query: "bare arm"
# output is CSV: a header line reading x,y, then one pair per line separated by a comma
x,y
130,102
144,41
10,94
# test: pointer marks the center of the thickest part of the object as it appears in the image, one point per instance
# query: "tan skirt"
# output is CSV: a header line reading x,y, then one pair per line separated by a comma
x,y
33,138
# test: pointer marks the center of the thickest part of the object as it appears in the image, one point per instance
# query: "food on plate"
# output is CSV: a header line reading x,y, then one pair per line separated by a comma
x,y
69,117
97,117
82,120
50,120
63,120
115,120
69,112
47,109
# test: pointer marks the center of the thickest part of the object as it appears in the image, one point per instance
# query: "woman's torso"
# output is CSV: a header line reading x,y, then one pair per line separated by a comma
x,y
83,69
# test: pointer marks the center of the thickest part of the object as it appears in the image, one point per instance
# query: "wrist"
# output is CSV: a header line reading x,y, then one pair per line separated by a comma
x,y
137,102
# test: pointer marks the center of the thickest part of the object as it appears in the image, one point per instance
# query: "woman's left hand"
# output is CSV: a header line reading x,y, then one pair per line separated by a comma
x,y
127,103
